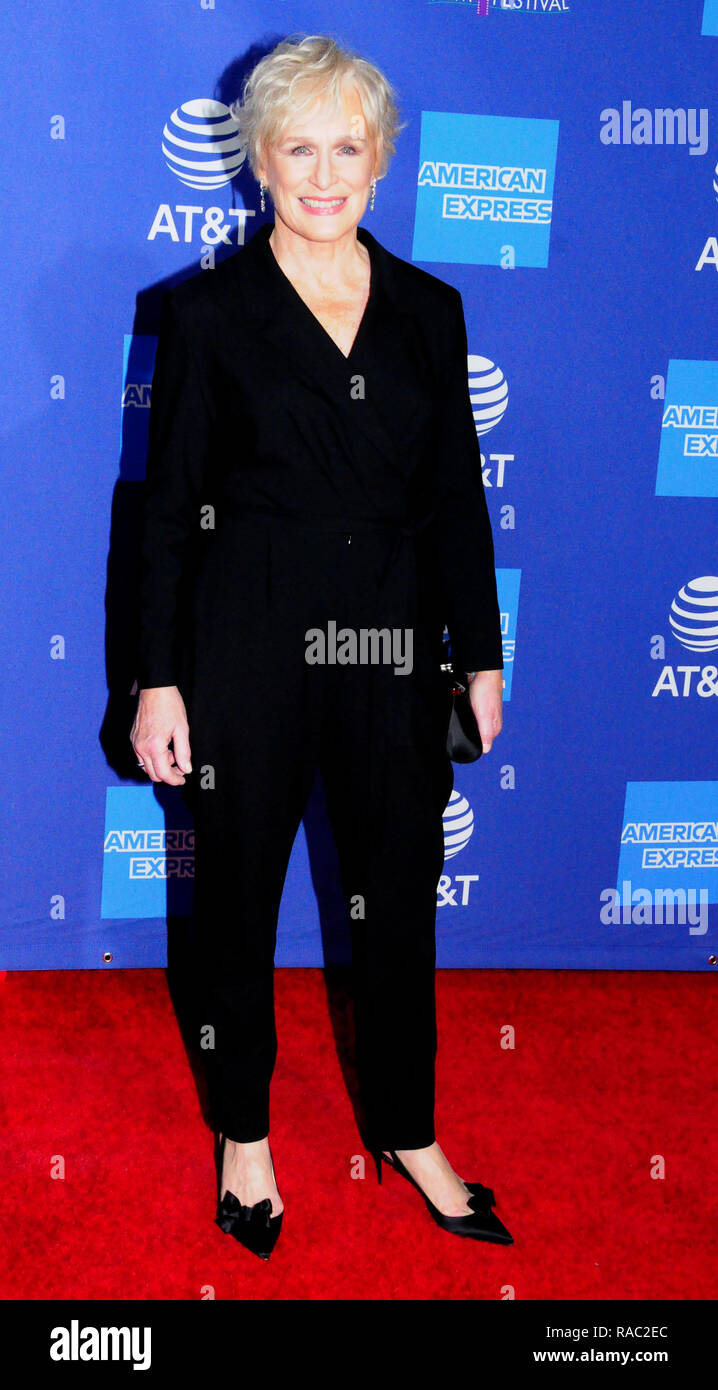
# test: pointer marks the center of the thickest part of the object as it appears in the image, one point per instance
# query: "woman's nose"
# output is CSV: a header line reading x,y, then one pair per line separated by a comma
x,y
324,175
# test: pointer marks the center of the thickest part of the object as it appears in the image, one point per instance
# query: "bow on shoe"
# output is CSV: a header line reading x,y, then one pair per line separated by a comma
x,y
482,1198
231,1213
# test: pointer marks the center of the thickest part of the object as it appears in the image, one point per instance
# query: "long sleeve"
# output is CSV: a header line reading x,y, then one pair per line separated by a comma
x,y
179,443
463,534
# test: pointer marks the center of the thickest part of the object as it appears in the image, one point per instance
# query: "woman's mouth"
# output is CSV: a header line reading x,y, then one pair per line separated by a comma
x,y
322,207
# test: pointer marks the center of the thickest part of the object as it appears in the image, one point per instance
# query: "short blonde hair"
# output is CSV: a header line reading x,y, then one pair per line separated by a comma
x,y
287,82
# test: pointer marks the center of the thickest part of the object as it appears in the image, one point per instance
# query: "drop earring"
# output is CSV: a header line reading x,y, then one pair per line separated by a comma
x,y
373,191
261,194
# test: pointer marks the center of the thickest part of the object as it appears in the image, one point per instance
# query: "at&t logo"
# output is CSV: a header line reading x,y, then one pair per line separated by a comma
x,y
489,394
201,144
203,147
488,390
458,829
693,620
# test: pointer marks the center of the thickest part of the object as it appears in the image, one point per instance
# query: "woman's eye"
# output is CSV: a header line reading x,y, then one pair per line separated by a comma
x,y
300,149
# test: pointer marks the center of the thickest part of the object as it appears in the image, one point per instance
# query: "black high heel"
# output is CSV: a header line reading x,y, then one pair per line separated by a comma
x,y
253,1226
481,1223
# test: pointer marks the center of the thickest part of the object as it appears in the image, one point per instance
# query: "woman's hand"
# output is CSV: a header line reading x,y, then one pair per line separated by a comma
x,y
486,693
161,719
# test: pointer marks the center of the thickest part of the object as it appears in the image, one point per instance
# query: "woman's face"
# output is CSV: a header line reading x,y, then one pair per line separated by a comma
x,y
319,172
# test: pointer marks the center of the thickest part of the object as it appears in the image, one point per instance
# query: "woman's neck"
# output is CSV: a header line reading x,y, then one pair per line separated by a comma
x,y
342,261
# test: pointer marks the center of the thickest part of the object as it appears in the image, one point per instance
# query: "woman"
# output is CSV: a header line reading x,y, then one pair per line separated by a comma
x,y
313,474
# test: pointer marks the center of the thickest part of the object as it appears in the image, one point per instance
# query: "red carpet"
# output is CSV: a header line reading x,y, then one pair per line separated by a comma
x,y
608,1071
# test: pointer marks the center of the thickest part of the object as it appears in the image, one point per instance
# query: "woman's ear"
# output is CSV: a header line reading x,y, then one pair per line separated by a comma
x,y
261,170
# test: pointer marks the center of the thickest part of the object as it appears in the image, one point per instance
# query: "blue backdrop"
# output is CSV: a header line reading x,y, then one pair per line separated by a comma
x,y
559,168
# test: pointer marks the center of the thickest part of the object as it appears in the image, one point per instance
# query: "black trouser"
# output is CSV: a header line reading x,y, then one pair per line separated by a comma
x,y
260,726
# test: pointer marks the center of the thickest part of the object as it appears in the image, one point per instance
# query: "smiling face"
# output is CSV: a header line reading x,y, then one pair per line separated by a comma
x,y
319,171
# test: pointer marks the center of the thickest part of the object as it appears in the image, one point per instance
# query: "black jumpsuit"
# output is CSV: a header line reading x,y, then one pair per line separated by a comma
x,y
290,488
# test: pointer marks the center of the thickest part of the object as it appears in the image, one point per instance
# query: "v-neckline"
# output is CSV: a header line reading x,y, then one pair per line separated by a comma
x,y
368,307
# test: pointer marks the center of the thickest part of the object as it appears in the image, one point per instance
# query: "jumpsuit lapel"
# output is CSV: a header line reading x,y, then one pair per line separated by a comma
x,y
289,325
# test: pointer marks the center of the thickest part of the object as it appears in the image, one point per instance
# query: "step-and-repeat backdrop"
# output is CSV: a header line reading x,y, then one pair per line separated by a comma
x,y
559,168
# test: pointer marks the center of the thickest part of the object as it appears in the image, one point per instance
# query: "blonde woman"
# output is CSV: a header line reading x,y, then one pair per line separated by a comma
x,y
314,473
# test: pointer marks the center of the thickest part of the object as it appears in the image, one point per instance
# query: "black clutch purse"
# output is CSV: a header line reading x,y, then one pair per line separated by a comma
x,y
463,740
